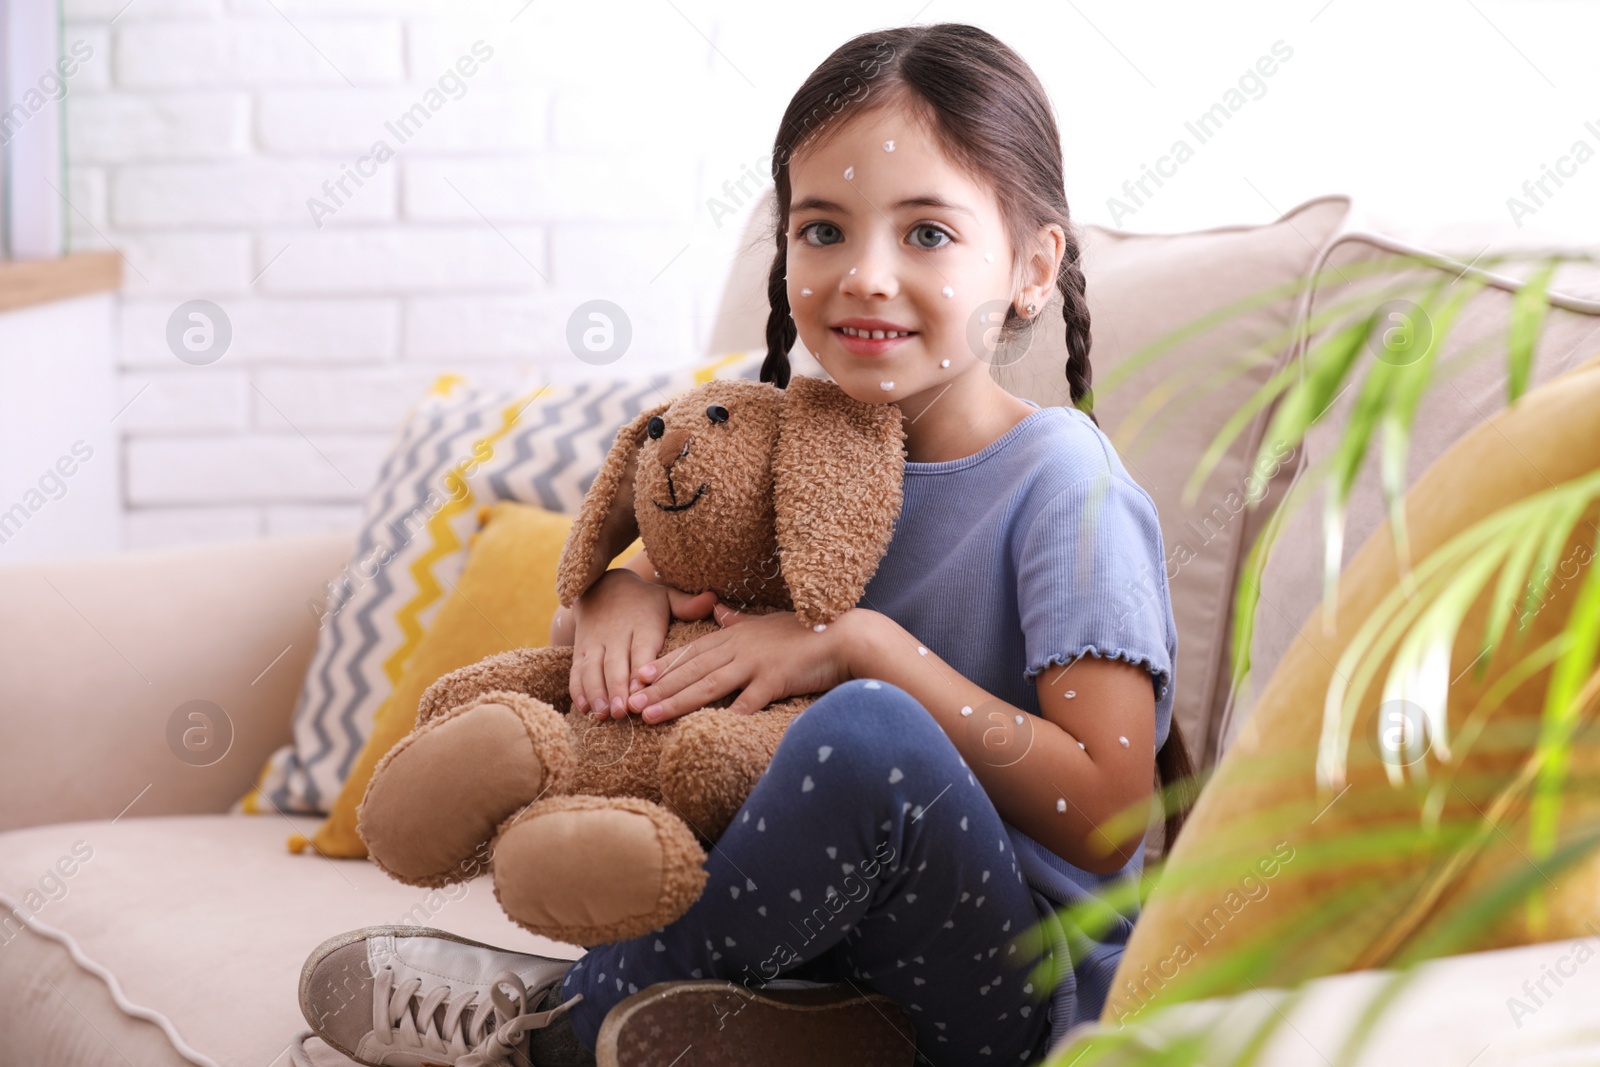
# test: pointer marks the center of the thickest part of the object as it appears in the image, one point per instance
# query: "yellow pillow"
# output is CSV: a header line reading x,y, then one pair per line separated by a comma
x,y
506,599
1273,881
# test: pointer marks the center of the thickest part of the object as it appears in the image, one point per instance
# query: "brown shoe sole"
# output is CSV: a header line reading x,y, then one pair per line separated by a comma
x,y
723,1024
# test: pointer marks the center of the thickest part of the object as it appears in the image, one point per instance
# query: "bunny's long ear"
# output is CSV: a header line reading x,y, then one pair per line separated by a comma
x,y
606,523
836,486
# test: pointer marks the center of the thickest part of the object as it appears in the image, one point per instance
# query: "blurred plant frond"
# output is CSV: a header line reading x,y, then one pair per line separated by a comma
x,y
1419,840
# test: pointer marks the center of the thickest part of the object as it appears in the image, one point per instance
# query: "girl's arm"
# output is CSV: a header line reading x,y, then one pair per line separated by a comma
x,y
1041,780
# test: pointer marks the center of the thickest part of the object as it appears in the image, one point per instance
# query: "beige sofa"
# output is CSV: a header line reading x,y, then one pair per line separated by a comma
x,y
168,931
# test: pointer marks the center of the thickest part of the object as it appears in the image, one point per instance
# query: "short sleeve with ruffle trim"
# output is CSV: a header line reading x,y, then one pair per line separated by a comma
x,y
1092,580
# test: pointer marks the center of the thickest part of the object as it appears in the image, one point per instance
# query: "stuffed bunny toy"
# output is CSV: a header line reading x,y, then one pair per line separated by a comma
x,y
778,499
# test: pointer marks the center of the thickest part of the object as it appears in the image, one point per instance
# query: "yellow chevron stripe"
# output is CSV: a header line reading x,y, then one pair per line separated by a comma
x,y
708,372
445,541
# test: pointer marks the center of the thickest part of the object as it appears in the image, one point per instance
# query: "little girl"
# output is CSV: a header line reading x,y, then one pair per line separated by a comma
x,y
1003,688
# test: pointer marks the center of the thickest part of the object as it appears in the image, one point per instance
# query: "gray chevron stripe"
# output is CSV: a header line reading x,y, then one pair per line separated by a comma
x,y
333,668
567,458
367,659
535,428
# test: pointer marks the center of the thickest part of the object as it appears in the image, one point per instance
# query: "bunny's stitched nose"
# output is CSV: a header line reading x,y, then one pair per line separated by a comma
x,y
671,447
674,444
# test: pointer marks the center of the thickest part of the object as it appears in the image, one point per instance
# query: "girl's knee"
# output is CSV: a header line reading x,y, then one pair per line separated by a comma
x,y
870,719
866,704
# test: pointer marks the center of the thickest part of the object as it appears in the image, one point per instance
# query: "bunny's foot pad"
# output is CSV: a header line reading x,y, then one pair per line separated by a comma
x,y
437,797
590,870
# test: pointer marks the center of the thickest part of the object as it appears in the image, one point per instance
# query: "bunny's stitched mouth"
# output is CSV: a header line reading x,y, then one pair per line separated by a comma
x,y
679,507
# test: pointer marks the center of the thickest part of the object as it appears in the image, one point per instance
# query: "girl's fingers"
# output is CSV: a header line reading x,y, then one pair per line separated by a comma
x,y
692,697
658,669
674,677
643,653
594,684
728,616
751,700
616,680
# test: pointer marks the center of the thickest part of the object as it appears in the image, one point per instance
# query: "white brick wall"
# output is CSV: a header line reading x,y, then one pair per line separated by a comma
x,y
576,161
200,129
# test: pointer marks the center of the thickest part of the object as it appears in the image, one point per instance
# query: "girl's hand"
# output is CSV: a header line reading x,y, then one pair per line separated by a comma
x,y
621,620
769,657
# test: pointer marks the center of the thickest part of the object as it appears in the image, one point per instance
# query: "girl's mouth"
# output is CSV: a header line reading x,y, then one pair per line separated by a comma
x,y
870,342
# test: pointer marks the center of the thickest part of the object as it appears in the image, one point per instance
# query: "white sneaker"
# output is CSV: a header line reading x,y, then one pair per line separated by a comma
x,y
408,996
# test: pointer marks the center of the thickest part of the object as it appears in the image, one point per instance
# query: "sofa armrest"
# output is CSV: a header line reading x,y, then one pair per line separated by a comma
x,y
100,653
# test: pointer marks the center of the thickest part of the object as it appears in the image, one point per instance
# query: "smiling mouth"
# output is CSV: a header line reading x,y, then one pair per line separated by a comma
x,y
679,507
874,335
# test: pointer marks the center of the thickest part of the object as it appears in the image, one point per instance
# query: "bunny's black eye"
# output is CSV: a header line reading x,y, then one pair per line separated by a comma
x,y
655,427
717,413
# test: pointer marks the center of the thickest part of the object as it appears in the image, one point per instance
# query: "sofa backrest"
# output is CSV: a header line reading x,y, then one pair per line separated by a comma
x,y
1162,415
1362,272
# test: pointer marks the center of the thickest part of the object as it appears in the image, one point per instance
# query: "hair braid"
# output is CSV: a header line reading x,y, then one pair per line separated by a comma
x,y
781,329
1075,310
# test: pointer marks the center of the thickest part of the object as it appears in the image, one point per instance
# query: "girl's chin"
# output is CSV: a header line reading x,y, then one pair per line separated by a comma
x,y
869,388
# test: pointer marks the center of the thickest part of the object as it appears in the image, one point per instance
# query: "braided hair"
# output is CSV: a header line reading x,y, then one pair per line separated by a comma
x,y
781,329
1075,310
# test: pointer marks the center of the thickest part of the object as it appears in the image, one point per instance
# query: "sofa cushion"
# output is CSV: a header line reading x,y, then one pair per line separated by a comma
x,y
458,448
1143,288
204,921
1363,271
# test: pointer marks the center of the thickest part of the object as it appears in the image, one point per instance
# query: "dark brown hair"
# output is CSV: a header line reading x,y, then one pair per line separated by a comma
x,y
991,117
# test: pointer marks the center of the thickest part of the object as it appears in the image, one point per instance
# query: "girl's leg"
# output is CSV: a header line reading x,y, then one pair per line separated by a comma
x,y
868,852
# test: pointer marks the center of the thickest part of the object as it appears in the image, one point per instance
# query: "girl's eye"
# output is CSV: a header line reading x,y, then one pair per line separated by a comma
x,y
805,231
930,231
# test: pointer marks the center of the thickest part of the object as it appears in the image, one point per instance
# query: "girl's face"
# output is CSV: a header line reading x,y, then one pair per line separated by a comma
x,y
887,237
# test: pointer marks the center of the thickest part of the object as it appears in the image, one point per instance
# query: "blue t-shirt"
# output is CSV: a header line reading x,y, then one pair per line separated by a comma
x,y
1034,551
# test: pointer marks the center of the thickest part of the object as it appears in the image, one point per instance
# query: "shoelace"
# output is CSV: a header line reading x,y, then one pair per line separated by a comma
x,y
471,1033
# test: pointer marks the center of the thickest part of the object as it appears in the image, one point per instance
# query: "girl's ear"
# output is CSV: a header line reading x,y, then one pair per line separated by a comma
x,y
836,489
606,523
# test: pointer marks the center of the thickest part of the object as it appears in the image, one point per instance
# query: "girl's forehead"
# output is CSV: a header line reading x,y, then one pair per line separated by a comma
x,y
887,156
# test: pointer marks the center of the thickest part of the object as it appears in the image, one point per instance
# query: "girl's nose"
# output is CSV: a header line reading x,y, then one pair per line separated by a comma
x,y
871,274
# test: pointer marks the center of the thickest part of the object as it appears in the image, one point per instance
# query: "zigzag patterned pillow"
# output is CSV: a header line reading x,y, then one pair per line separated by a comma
x,y
458,449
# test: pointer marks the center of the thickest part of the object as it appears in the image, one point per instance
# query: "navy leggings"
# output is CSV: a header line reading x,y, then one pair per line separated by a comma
x,y
867,853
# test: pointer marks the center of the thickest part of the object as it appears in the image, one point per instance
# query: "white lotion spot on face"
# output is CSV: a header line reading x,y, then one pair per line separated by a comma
x,y
1019,720
944,363
849,172
852,270
1081,745
921,651
819,627
886,386
1061,803
1123,741
805,292
888,146
947,291
1070,693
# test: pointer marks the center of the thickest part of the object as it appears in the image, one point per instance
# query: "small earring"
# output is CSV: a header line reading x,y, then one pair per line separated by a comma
x,y
1031,309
